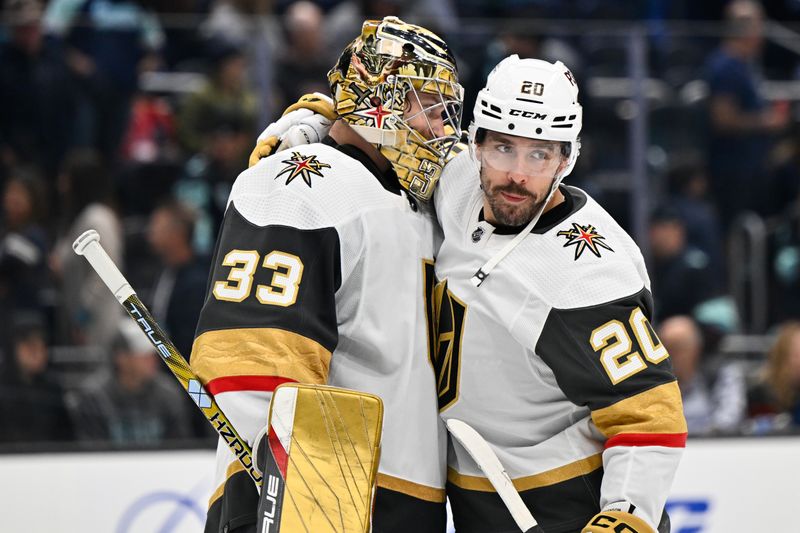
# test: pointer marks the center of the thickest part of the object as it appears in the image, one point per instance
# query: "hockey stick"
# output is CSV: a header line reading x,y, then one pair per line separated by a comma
x,y
88,245
481,453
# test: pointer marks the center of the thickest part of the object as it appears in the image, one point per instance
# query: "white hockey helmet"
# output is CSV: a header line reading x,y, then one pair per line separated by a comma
x,y
531,98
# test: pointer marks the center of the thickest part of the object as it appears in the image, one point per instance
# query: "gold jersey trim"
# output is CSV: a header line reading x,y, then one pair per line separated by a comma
x,y
233,468
581,467
658,410
421,492
259,352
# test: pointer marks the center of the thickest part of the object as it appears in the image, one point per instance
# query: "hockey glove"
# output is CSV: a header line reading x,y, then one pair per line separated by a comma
x,y
616,522
319,103
306,121
264,148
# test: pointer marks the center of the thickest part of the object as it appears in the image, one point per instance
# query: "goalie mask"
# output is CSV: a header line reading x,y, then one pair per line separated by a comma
x,y
394,74
534,99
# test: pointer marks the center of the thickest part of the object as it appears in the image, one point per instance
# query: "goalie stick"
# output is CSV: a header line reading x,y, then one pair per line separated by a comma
x,y
487,460
88,245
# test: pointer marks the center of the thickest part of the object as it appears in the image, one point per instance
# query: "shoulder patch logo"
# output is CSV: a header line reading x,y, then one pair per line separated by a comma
x,y
584,238
303,166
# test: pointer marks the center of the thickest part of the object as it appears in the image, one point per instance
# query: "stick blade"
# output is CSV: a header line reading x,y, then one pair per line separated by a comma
x,y
480,451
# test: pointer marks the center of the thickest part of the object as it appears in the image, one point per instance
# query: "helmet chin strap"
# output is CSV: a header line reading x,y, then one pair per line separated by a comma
x,y
484,271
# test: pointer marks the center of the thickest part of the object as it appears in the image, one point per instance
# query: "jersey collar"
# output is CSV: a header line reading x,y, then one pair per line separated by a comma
x,y
574,199
387,179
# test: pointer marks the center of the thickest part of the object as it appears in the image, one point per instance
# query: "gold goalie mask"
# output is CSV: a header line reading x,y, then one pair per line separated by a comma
x,y
395,76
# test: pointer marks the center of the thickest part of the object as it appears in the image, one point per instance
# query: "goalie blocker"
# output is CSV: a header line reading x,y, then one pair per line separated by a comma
x,y
320,460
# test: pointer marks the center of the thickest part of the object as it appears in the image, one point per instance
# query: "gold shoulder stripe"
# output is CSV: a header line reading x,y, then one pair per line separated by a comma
x,y
581,467
422,492
233,468
259,352
658,410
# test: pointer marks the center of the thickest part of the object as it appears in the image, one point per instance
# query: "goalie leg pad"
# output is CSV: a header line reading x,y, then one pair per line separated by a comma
x,y
322,451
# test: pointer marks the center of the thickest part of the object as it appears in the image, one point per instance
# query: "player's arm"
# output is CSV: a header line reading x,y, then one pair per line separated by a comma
x,y
727,114
304,122
269,317
608,357
269,313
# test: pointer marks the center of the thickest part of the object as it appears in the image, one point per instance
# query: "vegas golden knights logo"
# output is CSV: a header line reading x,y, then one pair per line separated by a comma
x,y
445,315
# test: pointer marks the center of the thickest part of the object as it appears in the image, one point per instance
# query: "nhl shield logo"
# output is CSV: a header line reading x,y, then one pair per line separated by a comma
x,y
477,234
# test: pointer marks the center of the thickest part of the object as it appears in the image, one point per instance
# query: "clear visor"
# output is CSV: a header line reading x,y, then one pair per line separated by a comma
x,y
533,158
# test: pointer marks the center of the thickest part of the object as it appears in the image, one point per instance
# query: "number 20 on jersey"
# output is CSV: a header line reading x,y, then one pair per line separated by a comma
x,y
287,272
617,350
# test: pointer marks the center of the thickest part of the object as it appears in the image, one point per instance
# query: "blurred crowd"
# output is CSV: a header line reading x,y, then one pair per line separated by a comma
x,y
134,117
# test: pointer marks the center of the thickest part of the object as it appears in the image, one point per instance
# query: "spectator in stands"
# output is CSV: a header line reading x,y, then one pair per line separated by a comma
x,y
217,125
774,401
32,404
784,263
713,398
88,312
680,274
108,44
688,187
783,187
208,176
304,64
742,125
226,94
150,135
23,249
182,42
180,289
38,100
248,23
235,21
134,404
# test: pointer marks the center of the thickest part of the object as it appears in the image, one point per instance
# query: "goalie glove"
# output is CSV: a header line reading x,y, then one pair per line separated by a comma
x,y
306,121
616,522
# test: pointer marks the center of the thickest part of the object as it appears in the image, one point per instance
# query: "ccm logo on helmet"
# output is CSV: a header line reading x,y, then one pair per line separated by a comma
x,y
527,114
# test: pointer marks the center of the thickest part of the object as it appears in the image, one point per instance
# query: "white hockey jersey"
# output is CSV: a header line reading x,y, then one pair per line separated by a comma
x,y
553,360
318,278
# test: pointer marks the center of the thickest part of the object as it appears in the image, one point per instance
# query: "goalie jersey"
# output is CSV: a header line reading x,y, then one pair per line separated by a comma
x,y
318,278
553,360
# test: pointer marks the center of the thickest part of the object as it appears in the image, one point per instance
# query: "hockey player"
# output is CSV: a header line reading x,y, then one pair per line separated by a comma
x,y
545,344
542,306
318,273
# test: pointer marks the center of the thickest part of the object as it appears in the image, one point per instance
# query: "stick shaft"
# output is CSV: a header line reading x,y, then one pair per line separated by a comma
x,y
89,246
487,461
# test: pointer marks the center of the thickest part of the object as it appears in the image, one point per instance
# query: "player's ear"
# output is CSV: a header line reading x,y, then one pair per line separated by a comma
x,y
564,161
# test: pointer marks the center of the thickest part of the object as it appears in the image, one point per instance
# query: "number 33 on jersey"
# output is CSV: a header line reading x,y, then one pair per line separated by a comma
x,y
287,271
